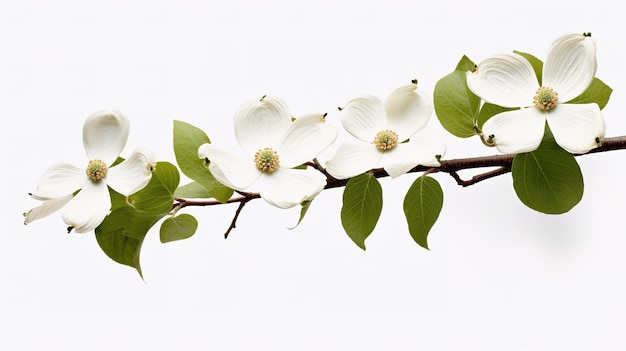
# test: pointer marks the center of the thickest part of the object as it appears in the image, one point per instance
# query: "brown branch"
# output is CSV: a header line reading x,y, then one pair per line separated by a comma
x,y
242,200
233,223
503,162
451,167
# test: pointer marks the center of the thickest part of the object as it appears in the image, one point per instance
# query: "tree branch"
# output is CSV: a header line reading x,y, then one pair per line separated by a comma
x,y
452,167
242,200
503,162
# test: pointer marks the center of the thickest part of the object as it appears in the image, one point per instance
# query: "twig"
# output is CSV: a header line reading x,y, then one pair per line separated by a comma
x,y
233,223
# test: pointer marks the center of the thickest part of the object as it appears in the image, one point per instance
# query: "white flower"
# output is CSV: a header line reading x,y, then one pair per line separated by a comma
x,y
509,80
274,145
104,137
382,130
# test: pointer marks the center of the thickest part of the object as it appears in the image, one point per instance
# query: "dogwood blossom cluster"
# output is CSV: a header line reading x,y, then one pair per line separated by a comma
x,y
278,152
509,80
83,192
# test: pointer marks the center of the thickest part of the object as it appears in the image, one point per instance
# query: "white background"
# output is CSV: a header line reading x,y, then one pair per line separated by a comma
x,y
499,276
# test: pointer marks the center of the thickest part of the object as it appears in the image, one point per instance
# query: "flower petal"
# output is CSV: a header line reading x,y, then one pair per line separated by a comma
x,y
516,131
306,137
133,174
88,208
507,80
46,208
234,171
261,123
570,66
421,151
353,159
58,180
286,187
407,111
577,128
104,135
363,117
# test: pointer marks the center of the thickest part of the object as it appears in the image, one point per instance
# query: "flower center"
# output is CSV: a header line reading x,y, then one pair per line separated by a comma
x,y
96,170
545,99
267,160
386,140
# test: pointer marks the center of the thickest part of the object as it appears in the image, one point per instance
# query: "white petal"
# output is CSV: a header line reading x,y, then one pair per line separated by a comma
x,y
58,180
507,80
306,137
516,131
46,208
407,111
104,135
234,171
88,208
353,159
576,126
286,188
363,117
133,174
570,66
261,123
421,151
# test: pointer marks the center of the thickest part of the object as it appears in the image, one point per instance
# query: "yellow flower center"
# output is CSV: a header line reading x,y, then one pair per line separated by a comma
x,y
266,160
96,170
545,99
386,140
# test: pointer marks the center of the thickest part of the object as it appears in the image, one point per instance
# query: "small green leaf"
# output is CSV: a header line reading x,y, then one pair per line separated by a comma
x,y
178,228
597,92
422,205
548,179
455,105
117,200
535,62
465,65
121,235
192,190
304,208
362,205
187,141
489,110
220,192
158,196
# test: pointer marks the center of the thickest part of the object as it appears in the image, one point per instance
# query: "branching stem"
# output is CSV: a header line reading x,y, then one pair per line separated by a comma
x,y
452,167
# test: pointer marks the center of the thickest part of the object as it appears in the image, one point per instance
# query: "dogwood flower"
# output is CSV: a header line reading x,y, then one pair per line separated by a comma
x,y
381,129
273,146
509,80
104,137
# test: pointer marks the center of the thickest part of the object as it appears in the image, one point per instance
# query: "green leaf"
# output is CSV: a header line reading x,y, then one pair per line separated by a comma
x,y
187,140
158,196
465,64
178,228
121,235
192,190
597,92
304,208
455,105
535,62
489,110
362,205
117,200
548,179
422,205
